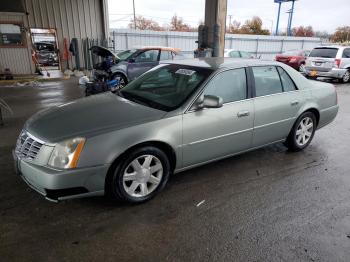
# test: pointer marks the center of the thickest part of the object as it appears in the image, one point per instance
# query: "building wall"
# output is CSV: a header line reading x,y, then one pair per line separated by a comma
x,y
71,18
17,59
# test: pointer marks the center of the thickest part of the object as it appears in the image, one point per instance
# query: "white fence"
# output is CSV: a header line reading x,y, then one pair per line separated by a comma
x,y
265,46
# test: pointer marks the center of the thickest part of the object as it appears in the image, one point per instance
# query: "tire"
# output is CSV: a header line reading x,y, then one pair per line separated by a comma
x,y
133,181
300,137
122,80
302,68
346,77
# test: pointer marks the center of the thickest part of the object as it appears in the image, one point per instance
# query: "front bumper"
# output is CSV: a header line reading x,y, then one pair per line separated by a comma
x,y
62,184
333,73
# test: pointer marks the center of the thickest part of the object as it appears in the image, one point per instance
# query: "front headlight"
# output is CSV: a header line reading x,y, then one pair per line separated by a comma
x,y
66,154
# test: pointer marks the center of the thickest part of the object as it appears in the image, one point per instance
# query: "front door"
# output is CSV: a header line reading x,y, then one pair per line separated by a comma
x,y
143,62
213,133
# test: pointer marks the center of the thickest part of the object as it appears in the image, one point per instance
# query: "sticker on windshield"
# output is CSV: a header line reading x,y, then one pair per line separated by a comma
x,y
186,72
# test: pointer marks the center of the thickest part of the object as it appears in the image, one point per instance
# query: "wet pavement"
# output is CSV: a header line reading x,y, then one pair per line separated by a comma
x,y
266,205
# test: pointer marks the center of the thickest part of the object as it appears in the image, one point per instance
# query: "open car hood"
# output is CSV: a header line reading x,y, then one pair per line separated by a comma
x,y
103,52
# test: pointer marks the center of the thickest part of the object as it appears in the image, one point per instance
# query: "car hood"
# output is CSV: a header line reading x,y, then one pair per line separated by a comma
x,y
103,52
89,116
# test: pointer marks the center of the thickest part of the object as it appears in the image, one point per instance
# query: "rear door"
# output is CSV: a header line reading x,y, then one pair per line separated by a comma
x,y
143,62
276,104
321,59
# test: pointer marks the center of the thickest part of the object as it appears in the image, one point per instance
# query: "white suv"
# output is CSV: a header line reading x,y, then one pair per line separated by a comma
x,y
329,61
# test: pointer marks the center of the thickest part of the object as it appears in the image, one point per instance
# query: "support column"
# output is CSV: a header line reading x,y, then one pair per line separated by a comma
x,y
215,20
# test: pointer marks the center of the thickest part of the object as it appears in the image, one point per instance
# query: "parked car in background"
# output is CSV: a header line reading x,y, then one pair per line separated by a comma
x,y
294,58
329,61
237,54
179,115
133,63
46,53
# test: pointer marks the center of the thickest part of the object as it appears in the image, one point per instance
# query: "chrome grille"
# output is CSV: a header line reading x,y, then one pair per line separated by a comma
x,y
27,146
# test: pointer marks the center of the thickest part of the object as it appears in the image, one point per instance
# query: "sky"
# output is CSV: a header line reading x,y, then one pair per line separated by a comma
x,y
322,15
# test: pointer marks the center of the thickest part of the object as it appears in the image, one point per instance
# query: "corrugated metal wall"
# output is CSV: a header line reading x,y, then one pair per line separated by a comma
x,y
266,46
17,59
71,18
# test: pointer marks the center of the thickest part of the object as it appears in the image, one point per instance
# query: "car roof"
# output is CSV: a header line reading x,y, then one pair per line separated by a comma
x,y
221,62
163,48
332,46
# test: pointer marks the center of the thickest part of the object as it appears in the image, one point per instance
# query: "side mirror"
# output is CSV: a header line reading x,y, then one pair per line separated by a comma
x,y
209,101
131,60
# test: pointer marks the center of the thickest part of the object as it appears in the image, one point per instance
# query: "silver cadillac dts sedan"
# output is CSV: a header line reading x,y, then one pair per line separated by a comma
x,y
174,117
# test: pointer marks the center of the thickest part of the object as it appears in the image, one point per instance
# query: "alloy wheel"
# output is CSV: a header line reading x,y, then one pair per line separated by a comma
x,y
121,82
142,176
304,131
302,68
346,77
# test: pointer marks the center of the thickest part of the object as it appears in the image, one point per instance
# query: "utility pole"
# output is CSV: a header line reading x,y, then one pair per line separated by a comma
x,y
278,17
291,19
133,5
229,23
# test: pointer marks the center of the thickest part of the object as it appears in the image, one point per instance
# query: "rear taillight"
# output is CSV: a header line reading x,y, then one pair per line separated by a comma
x,y
293,59
337,62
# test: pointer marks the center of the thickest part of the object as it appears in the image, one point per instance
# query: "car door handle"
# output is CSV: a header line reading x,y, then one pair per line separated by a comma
x,y
243,113
294,103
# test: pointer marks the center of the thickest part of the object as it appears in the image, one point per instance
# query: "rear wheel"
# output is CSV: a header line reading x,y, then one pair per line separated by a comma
x,y
302,132
302,68
346,77
140,176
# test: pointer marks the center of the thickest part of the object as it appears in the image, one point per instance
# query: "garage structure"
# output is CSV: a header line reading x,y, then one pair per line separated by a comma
x,y
49,21
25,23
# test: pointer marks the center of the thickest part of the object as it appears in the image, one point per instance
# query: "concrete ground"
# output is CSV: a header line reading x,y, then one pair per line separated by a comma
x,y
266,205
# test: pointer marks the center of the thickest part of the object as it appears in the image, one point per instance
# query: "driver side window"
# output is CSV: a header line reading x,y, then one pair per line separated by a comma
x,y
234,54
147,56
230,85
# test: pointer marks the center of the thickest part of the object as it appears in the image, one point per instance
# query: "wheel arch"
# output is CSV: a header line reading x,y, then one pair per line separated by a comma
x,y
313,110
119,72
165,147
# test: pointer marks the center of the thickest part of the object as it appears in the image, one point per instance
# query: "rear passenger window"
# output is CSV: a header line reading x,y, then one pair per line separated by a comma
x,y
267,80
346,53
287,82
230,85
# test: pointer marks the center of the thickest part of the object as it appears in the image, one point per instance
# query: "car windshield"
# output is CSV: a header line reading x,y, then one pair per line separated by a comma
x,y
125,55
165,87
324,52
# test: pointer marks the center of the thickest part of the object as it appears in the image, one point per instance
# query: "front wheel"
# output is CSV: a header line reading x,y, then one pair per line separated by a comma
x,y
122,81
302,68
142,174
302,132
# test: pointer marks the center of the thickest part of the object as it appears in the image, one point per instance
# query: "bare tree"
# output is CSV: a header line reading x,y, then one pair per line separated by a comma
x,y
143,23
305,31
341,35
